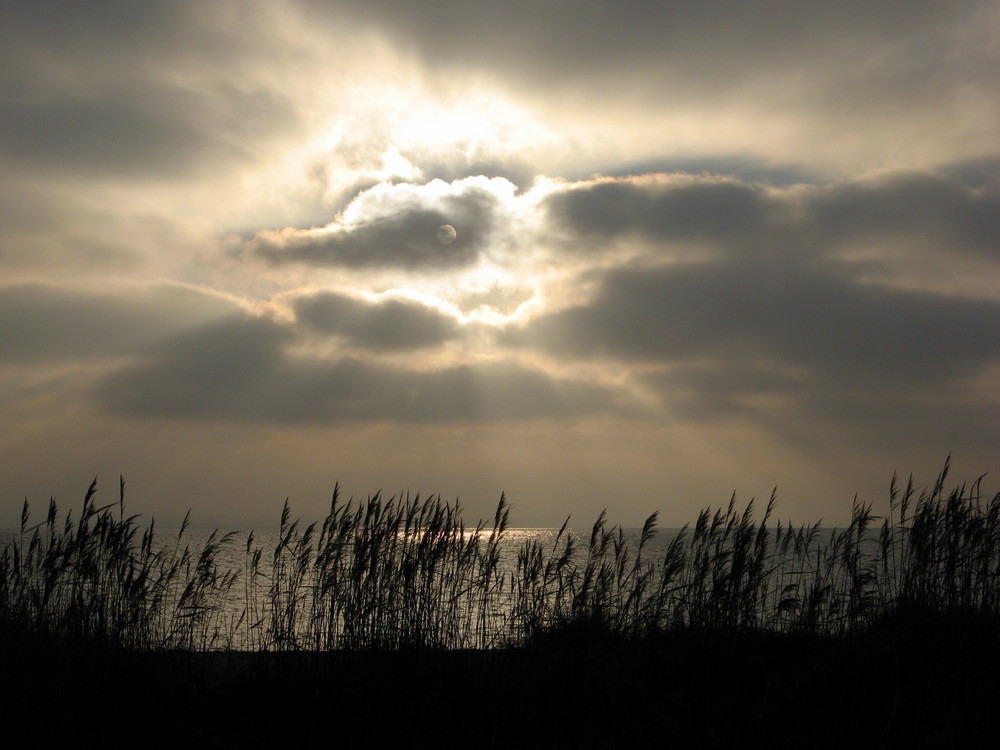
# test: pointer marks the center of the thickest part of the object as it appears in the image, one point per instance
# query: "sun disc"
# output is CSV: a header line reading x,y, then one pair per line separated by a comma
x,y
446,234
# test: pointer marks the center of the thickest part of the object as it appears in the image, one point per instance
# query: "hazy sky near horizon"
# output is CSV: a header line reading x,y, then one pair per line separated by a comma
x,y
698,246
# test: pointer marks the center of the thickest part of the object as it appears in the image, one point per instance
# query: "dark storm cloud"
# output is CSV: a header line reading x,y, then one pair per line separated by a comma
x,y
387,324
406,238
41,323
242,369
798,315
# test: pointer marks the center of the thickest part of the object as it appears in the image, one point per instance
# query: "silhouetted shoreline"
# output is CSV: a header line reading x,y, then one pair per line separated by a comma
x,y
358,631
926,680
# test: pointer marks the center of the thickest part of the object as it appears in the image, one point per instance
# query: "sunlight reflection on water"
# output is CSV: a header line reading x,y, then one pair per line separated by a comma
x,y
244,618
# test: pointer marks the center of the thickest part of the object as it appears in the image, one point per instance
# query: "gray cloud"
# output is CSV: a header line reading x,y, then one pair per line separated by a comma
x,y
241,369
982,173
54,43
110,136
785,307
213,370
806,409
738,166
805,316
387,324
138,133
837,87
931,208
42,323
723,389
104,90
406,238
45,32
913,209
572,38
679,209
887,59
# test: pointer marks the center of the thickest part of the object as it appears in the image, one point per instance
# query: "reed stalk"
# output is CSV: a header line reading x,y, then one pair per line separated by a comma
x,y
405,572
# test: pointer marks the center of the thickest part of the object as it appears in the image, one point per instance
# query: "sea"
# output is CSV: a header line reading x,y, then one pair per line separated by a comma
x,y
241,619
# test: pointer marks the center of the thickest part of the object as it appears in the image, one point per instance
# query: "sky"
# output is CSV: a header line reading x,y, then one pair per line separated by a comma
x,y
635,255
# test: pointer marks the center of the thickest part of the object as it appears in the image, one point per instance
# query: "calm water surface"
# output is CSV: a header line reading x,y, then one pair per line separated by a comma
x,y
244,604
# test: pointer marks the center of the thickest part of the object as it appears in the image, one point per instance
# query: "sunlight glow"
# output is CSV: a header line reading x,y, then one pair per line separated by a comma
x,y
390,131
477,125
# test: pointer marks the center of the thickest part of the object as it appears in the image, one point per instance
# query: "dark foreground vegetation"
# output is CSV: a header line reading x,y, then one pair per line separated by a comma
x,y
391,622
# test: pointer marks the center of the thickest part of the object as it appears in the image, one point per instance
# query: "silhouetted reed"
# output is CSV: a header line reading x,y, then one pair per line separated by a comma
x,y
406,573
102,579
389,574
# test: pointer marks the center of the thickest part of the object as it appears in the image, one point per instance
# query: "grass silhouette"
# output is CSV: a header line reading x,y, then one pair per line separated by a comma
x,y
406,573
734,629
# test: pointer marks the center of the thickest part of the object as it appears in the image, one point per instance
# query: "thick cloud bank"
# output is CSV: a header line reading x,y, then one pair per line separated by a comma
x,y
243,368
396,226
390,325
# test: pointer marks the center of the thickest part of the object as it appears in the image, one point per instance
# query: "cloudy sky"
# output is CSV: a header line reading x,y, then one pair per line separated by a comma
x,y
635,254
